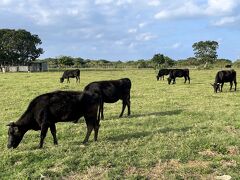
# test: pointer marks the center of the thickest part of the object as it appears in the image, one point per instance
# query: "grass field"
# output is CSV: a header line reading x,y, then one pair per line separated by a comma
x,y
176,131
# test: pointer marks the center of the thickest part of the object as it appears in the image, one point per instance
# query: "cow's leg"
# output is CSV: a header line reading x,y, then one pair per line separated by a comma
x,y
174,80
89,130
188,80
235,83
128,105
185,79
124,103
96,129
44,129
68,80
222,86
163,77
231,83
101,110
53,131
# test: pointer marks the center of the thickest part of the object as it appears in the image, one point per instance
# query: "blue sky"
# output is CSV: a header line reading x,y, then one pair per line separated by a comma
x,y
126,29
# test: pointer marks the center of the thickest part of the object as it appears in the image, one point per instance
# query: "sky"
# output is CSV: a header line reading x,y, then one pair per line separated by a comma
x,y
126,29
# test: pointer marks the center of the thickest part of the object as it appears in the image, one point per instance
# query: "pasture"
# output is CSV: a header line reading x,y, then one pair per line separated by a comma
x,y
181,131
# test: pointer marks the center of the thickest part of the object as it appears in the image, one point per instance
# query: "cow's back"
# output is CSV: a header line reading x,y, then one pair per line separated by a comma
x,y
225,76
110,91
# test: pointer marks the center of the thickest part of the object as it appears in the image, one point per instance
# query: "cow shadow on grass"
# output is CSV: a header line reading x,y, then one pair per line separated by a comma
x,y
162,113
137,135
133,115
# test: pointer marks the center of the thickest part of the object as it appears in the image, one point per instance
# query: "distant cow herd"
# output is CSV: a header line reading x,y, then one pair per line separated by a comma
x,y
46,110
221,77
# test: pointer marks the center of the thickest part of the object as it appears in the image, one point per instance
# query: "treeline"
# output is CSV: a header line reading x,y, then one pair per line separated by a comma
x,y
158,61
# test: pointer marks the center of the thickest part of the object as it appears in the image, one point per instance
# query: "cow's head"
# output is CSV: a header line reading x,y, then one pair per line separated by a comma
x,y
157,77
15,135
169,80
216,87
61,80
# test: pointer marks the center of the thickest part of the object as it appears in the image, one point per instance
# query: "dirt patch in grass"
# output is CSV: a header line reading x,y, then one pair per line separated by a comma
x,y
233,150
170,169
96,173
228,163
231,129
209,152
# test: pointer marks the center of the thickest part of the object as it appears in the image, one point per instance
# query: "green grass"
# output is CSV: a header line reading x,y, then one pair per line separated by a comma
x,y
176,131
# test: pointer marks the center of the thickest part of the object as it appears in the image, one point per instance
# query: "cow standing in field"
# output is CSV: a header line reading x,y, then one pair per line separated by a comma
x,y
162,72
70,74
59,106
228,66
178,73
222,77
110,92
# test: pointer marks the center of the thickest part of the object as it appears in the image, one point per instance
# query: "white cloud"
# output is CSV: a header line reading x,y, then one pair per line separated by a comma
x,y
131,45
221,6
122,2
145,37
103,1
72,11
141,25
98,36
190,8
225,21
176,45
119,42
187,8
132,30
154,3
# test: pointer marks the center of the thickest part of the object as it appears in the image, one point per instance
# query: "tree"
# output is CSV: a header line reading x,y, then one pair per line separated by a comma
x,y
163,61
206,51
79,62
65,61
158,59
19,46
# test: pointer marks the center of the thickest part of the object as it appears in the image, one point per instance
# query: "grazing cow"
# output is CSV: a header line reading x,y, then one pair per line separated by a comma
x,y
162,72
178,73
228,66
59,106
70,74
222,77
111,91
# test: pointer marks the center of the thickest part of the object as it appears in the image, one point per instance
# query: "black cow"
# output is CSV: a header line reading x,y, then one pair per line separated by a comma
x,y
228,66
70,74
162,72
111,91
59,106
178,73
222,77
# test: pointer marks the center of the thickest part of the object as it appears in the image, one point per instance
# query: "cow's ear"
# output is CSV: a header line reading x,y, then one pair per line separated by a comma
x,y
11,124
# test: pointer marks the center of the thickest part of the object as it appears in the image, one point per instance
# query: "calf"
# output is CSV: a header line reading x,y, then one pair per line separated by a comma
x,y
70,74
222,77
178,73
228,66
111,91
59,106
162,72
